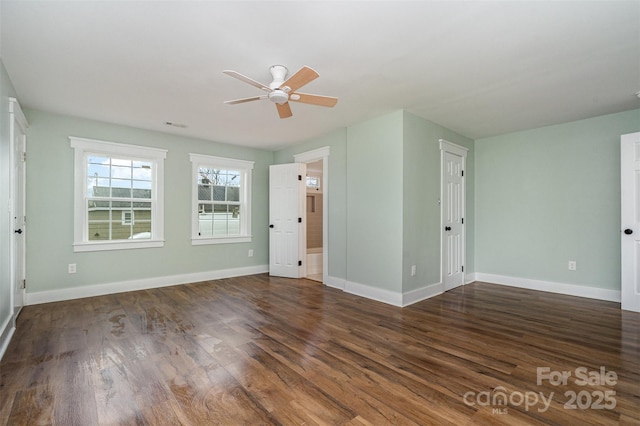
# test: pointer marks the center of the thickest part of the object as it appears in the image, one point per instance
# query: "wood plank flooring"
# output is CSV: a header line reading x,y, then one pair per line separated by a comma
x,y
258,351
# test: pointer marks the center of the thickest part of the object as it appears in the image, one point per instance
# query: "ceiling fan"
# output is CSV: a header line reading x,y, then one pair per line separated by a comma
x,y
281,91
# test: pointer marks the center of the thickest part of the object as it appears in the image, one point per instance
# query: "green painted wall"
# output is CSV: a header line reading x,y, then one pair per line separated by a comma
x,y
421,212
337,199
375,202
550,195
50,208
535,200
383,200
6,287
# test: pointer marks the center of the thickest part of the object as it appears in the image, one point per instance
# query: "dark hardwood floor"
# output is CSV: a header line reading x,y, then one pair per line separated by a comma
x,y
259,350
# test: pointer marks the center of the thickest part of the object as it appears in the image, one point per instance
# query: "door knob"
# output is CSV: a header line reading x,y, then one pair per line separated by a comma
x,y
447,228
18,231
270,226
628,231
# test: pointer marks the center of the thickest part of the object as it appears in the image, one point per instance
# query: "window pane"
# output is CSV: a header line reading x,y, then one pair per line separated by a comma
x,y
218,193
226,219
121,192
98,170
121,183
121,172
141,229
96,159
98,231
142,170
205,218
208,176
118,220
141,193
220,218
233,178
98,187
204,192
121,205
233,193
121,162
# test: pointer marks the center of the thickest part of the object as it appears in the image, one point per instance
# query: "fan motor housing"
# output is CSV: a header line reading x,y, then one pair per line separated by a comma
x,y
278,96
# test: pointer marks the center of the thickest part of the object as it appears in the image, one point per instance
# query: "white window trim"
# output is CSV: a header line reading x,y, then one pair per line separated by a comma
x,y
245,168
82,147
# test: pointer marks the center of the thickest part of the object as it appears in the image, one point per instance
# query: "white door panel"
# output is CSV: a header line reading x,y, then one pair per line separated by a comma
x,y
286,217
630,232
453,193
18,126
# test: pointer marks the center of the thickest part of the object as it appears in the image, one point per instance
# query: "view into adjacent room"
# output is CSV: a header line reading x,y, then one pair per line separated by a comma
x,y
314,220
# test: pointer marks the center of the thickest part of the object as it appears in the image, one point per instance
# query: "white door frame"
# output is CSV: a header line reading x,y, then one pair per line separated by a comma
x,y
17,194
310,157
449,147
629,164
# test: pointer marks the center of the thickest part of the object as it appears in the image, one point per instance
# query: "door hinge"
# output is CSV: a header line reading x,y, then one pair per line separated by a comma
x,y
299,177
24,284
463,269
463,220
24,156
299,220
462,172
299,262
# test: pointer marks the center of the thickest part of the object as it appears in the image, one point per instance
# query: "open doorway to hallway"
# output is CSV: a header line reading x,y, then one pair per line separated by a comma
x,y
314,203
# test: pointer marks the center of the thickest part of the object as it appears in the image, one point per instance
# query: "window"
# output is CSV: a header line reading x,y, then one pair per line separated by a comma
x,y
313,182
118,196
221,189
127,217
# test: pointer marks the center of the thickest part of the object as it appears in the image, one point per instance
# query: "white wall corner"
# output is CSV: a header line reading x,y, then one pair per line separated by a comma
x,y
552,287
422,293
140,284
374,293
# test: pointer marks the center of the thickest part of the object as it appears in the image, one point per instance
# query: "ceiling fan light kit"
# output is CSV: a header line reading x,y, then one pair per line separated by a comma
x,y
281,91
278,96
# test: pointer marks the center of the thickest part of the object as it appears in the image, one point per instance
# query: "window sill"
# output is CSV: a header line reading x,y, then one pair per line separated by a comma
x,y
116,245
220,240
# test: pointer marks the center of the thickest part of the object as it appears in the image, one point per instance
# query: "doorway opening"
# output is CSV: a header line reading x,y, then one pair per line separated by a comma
x,y
314,202
317,223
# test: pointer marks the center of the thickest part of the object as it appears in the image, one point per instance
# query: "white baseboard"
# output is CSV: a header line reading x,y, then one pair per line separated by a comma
x,y
385,296
550,286
6,332
423,293
335,282
374,293
140,284
469,278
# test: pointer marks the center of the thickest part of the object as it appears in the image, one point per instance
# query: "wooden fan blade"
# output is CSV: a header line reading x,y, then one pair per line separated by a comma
x,y
246,79
303,76
325,101
284,110
240,101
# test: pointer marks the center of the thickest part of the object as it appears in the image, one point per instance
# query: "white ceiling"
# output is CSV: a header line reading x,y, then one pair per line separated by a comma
x,y
479,68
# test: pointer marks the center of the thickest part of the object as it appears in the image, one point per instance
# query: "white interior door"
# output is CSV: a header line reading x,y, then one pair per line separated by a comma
x,y
630,232
453,196
287,221
18,126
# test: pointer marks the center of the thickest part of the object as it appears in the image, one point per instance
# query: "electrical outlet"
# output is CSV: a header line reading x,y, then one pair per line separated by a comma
x,y
572,265
413,270
72,268
250,253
